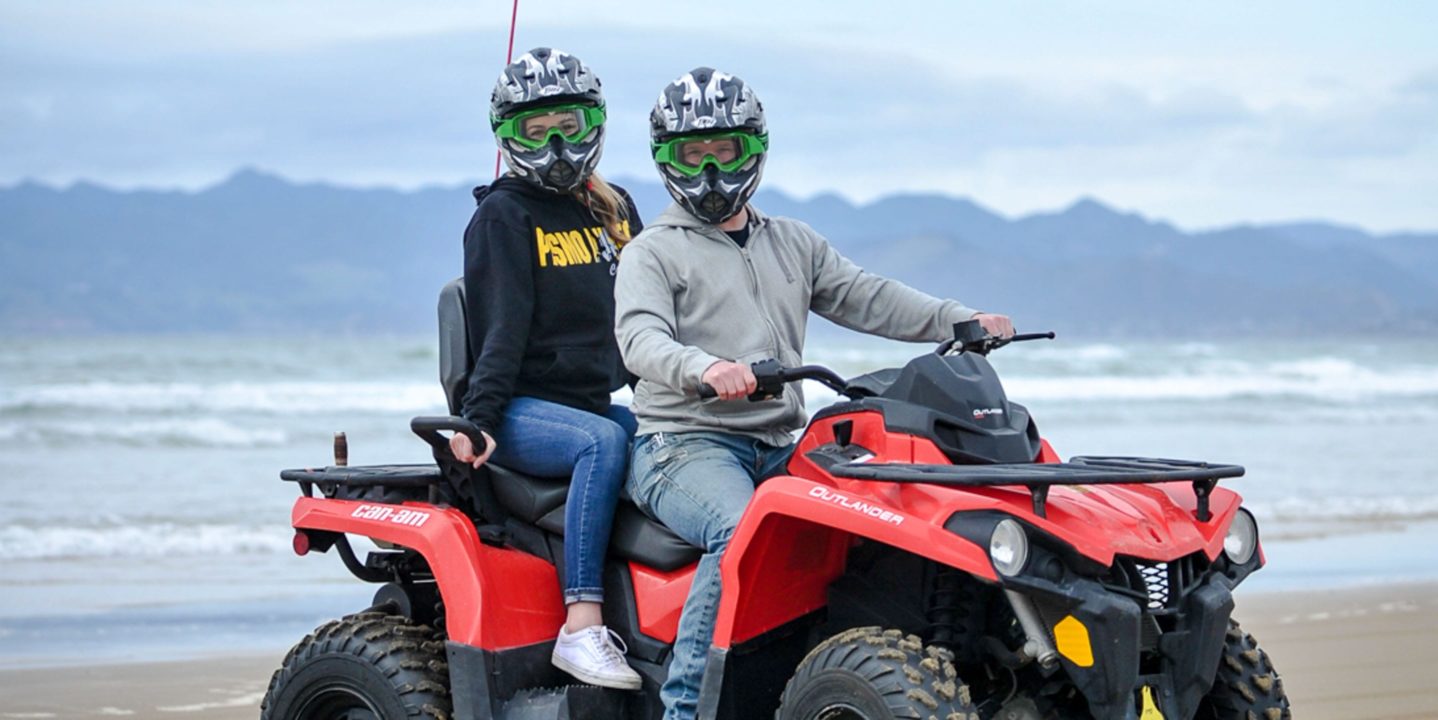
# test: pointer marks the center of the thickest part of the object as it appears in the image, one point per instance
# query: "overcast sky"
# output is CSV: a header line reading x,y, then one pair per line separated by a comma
x,y
1205,114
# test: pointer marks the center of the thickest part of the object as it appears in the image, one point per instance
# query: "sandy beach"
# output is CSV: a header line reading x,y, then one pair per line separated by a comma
x,y
1355,654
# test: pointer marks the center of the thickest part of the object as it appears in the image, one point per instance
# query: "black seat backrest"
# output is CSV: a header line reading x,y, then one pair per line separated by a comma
x,y
455,358
497,493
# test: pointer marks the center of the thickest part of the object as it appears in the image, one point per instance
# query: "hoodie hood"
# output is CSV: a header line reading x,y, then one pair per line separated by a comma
x,y
510,183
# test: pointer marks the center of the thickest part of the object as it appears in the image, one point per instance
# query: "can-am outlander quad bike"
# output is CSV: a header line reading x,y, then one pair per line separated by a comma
x,y
927,555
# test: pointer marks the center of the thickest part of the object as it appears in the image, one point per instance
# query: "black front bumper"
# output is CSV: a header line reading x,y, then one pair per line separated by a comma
x,y
1174,650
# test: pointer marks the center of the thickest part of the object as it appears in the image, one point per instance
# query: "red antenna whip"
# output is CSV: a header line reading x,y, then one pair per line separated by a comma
x,y
508,58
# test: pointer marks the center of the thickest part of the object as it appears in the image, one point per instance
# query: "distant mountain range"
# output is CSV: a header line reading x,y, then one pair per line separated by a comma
x,y
259,254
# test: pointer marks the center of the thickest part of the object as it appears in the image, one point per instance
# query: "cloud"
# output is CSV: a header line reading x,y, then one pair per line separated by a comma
x,y
409,107
1390,122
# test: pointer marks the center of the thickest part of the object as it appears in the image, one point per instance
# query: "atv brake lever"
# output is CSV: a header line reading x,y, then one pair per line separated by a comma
x,y
989,343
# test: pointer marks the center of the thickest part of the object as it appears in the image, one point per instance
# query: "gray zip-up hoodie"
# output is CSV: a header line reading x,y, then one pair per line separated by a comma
x,y
688,296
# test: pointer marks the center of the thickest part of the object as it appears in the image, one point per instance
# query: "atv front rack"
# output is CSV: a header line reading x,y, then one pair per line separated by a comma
x,y
1039,477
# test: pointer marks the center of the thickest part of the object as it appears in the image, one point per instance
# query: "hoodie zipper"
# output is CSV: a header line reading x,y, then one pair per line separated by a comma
x,y
759,297
779,258
788,397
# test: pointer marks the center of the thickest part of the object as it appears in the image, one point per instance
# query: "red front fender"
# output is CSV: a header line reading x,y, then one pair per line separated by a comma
x,y
494,598
794,538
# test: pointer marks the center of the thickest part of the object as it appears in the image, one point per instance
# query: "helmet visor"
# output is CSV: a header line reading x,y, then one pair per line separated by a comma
x,y
688,154
534,128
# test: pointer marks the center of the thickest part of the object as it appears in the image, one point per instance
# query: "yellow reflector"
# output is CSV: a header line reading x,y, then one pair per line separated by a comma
x,y
1072,639
1150,708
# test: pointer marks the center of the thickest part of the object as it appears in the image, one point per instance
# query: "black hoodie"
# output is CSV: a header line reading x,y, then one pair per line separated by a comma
x,y
539,299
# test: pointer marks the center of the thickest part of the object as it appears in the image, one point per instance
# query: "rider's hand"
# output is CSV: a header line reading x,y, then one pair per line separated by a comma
x,y
730,380
463,449
1000,326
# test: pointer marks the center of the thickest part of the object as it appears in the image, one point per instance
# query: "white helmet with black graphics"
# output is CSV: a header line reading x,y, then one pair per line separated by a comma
x,y
709,141
547,113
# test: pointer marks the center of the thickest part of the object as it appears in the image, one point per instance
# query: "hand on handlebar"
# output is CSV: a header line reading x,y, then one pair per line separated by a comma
x,y
999,326
463,449
730,380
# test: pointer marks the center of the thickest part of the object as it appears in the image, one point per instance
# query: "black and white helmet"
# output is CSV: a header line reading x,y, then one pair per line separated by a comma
x,y
540,78
705,102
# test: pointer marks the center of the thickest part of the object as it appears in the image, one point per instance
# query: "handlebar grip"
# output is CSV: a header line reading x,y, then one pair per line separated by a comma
x,y
1032,336
427,427
707,392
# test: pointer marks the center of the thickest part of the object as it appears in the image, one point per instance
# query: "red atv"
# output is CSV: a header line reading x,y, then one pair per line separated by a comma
x,y
927,556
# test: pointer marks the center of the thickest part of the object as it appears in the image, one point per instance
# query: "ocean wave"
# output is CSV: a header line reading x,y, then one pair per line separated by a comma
x,y
197,432
165,539
1322,380
1191,372
1321,507
1079,353
1092,372
140,541
254,397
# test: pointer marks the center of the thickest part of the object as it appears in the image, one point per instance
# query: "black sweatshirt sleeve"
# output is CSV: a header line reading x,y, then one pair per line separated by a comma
x,y
499,308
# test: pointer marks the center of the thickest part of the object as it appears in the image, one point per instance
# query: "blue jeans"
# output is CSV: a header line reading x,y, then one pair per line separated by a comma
x,y
698,484
538,437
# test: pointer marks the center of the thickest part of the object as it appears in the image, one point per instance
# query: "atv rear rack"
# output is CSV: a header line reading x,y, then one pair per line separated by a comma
x,y
366,476
1039,477
384,477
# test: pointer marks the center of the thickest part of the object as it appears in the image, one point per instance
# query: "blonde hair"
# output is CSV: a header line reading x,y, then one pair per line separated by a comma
x,y
608,206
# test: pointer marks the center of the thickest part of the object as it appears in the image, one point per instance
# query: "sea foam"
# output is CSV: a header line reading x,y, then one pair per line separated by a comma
x,y
140,541
253,397
189,432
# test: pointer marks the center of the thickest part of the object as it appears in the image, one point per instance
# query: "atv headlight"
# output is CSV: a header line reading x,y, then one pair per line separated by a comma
x,y
1242,539
1009,547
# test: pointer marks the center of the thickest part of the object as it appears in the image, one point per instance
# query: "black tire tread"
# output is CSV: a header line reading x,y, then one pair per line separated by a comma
x,y
1247,686
915,682
410,656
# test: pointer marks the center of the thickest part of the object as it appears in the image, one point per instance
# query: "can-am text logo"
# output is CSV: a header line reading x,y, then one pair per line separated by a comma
x,y
858,506
398,516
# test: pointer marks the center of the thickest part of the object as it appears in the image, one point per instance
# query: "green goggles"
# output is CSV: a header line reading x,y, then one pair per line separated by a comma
x,y
689,154
534,128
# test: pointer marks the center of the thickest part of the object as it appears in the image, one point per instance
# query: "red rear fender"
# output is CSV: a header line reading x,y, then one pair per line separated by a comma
x,y
494,598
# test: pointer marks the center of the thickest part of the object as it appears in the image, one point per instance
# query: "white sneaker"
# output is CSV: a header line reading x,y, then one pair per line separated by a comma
x,y
593,656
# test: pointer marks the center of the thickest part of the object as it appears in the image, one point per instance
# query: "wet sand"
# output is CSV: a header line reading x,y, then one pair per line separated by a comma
x,y
1357,654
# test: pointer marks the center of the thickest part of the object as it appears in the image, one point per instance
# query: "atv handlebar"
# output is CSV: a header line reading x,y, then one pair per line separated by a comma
x,y
969,336
771,378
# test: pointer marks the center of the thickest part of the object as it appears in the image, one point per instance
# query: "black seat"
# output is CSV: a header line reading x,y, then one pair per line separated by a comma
x,y
540,501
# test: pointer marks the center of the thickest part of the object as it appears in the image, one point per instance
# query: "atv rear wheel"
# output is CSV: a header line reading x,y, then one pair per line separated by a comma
x,y
367,666
1247,686
869,673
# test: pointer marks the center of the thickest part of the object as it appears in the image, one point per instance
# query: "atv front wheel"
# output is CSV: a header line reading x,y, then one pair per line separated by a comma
x,y
870,673
1247,686
367,666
